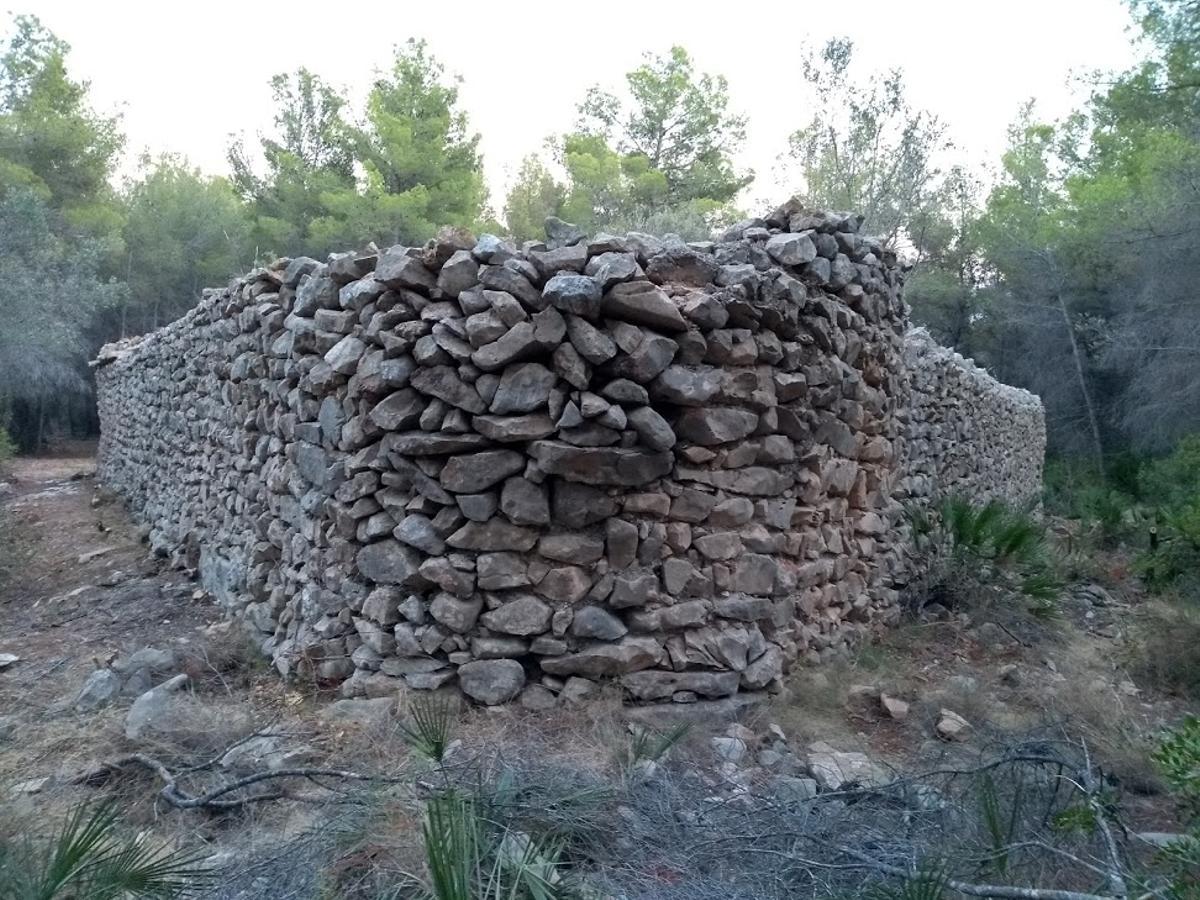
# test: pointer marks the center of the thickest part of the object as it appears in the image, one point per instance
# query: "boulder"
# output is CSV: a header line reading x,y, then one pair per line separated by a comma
x,y
389,562
524,615
711,425
600,465
791,249
523,388
599,624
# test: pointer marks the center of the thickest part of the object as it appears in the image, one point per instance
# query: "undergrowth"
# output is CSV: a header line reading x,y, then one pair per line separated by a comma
x,y
1150,506
969,550
90,858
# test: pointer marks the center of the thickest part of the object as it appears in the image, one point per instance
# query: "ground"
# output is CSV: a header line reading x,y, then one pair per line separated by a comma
x,y
78,591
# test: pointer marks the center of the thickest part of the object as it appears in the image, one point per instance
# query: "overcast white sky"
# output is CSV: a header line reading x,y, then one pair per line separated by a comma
x,y
184,75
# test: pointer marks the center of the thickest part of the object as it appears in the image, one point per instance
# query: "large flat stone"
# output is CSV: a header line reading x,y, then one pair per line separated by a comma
x,y
443,382
432,443
606,660
655,685
506,429
601,465
523,388
475,472
492,536
710,425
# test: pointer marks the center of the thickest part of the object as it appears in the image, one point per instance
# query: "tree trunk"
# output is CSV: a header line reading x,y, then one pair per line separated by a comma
x,y
1093,423
41,426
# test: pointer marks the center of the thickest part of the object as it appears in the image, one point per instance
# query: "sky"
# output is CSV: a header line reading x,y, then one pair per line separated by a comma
x,y
185,76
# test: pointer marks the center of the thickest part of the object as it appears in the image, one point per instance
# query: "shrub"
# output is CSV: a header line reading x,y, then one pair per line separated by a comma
x,y
1105,501
468,856
1171,487
967,547
87,858
1167,641
8,447
1178,756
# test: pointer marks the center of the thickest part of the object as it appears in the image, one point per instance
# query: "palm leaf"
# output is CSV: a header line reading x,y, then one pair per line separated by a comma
x,y
87,859
430,727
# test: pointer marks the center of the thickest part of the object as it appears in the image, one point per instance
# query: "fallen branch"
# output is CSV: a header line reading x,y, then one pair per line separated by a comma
x,y
218,797
1000,891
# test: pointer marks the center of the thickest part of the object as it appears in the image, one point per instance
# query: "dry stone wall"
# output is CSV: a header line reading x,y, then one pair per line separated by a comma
x,y
526,471
966,433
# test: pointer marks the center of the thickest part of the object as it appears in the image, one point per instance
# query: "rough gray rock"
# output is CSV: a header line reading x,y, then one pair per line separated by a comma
x,y
491,681
151,709
100,689
575,294
645,304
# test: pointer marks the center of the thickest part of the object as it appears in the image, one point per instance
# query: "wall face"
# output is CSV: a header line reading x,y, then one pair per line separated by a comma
x,y
526,471
967,433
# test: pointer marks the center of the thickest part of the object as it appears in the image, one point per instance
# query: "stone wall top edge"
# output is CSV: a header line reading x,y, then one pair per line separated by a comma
x,y
919,344
792,218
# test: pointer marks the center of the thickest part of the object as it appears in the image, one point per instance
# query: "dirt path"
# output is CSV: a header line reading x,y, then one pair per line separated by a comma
x,y
77,587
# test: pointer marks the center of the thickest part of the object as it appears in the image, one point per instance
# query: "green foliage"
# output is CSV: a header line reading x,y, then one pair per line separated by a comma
x,y
992,531
431,727
1178,757
533,197
413,165
1173,480
90,860
470,857
660,159
309,160
1078,819
968,545
43,341
422,161
8,447
1166,653
1171,488
183,232
1001,826
51,141
929,882
867,150
650,745
1105,500
677,122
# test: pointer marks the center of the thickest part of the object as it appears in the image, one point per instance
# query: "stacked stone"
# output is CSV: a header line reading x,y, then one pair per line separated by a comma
x,y
527,470
967,434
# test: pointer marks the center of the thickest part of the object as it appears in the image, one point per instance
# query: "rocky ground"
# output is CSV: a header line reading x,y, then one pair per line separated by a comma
x,y
105,651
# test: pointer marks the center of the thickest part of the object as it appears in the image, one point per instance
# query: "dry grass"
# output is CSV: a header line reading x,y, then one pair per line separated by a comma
x,y
1165,654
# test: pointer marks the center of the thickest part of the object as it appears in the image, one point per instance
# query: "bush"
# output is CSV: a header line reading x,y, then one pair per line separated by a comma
x,y
1178,756
1104,501
1171,487
1167,651
8,447
969,547
88,859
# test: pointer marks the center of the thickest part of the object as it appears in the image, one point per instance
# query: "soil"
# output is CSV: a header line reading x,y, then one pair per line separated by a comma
x,y
78,585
